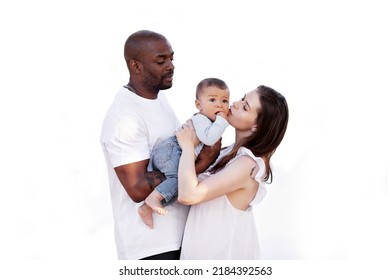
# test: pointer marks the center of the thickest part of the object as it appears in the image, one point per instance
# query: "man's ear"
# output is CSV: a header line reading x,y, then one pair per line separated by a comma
x,y
135,65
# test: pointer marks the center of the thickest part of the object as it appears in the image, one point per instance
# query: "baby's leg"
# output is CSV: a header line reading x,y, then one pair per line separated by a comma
x,y
154,202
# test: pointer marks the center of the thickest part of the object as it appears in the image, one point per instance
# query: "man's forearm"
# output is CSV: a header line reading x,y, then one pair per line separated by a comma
x,y
145,185
154,178
207,156
202,164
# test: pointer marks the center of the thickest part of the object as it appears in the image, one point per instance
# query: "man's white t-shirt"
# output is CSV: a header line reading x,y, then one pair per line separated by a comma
x,y
130,129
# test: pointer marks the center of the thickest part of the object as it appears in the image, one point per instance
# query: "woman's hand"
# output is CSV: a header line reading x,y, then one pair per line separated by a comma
x,y
186,136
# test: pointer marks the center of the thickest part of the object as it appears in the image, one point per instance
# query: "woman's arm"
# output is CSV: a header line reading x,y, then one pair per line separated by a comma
x,y
233,177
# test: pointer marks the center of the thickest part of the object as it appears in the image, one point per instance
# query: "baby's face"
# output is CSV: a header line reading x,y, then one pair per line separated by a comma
x,y
213,100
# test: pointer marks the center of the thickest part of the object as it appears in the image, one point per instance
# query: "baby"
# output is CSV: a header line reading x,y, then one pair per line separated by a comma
x,y
212,102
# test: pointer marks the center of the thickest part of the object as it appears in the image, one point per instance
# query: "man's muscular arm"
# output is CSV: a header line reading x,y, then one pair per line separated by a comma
x,y
207,156
137,182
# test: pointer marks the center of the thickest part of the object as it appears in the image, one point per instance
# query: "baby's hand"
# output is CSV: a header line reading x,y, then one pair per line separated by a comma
x,y
222,114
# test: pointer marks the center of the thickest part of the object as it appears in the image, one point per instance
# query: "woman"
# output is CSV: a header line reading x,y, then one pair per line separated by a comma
x,y
220,224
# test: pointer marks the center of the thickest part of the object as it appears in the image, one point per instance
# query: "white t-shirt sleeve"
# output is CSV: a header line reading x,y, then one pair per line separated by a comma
x,y
126,141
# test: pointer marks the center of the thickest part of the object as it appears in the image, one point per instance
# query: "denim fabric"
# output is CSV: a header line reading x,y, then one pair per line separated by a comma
x,y
165,158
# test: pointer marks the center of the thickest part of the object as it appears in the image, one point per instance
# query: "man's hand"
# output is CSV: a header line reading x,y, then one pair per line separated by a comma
x,y
207,156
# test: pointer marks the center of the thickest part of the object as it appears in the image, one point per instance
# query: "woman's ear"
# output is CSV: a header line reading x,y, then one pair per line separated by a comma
x,y
254,128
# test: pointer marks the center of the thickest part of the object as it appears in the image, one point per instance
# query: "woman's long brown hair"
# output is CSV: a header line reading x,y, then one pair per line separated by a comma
x,y
271,126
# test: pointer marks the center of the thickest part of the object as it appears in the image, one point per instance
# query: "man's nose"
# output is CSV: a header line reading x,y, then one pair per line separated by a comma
x,y
170,65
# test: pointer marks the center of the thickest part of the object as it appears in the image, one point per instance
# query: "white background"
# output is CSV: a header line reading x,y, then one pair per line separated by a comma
x,y
61,62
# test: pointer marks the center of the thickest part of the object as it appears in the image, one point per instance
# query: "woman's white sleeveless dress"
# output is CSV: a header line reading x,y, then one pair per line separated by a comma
x,y
215,230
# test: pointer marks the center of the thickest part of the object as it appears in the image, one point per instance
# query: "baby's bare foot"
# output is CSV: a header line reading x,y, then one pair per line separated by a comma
x,y
146,213
154,202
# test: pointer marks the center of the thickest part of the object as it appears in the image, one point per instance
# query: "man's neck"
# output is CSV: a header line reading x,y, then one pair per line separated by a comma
x,y
141,93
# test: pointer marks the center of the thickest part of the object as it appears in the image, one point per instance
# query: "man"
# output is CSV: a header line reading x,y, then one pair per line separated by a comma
x,y
139,115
